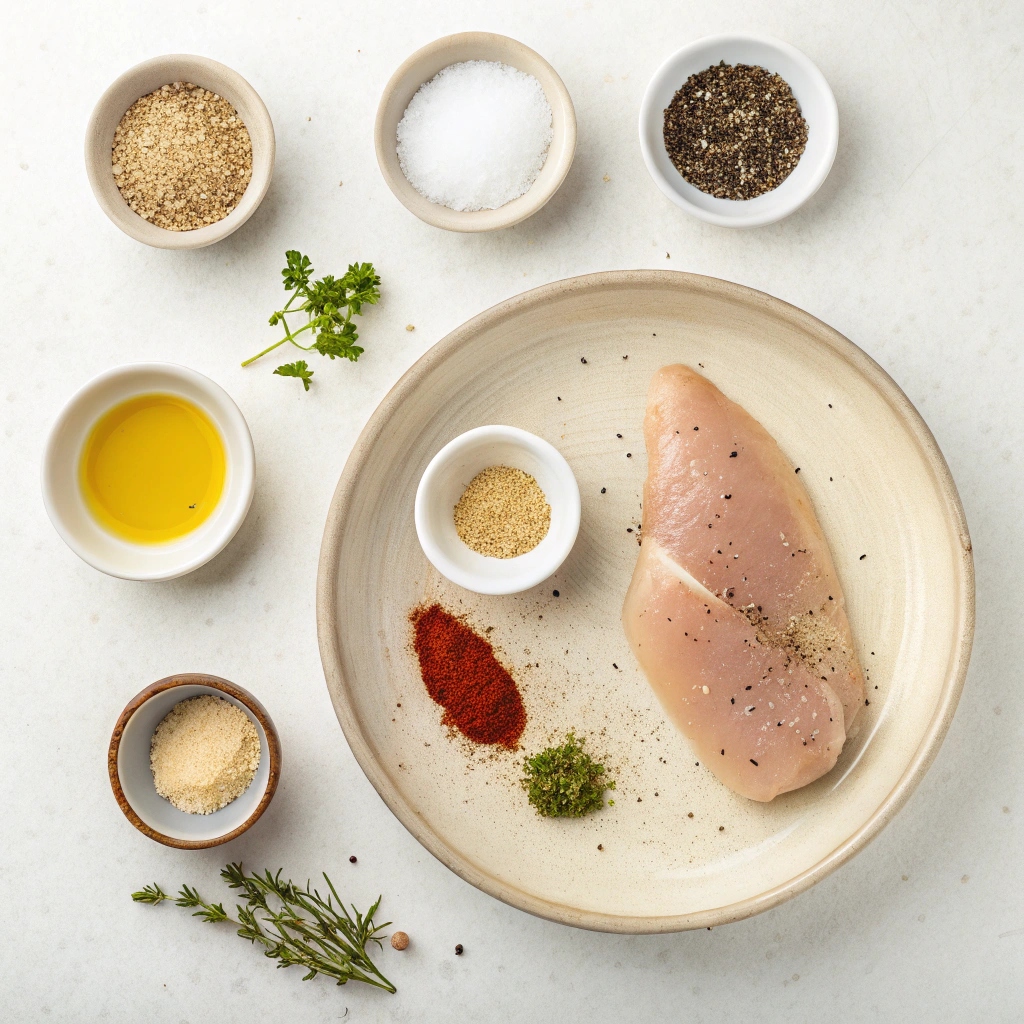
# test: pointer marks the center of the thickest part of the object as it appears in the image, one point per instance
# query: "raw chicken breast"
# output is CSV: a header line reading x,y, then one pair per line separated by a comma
x,y
735,612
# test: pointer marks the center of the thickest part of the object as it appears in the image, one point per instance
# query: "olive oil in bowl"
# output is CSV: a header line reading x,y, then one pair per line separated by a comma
x,y
152,468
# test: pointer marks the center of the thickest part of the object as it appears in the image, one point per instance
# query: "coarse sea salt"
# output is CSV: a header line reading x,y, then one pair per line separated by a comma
x,y
475,136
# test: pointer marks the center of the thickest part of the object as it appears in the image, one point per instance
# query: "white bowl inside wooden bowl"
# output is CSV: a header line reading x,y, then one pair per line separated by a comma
x,y
420,68
140,81
880,488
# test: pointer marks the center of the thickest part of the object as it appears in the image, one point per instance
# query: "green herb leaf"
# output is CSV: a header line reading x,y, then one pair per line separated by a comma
x,y
564,781
298,369
150,894
209,912
329,304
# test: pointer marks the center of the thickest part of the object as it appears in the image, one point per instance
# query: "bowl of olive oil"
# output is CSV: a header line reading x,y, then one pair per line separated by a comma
x,y
149,471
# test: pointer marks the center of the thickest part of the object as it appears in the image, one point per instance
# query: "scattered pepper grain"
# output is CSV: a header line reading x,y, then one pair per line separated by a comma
x,y
182,157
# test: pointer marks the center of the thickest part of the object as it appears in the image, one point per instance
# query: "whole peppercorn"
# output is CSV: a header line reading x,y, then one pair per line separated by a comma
x,y
352,859
458,949
399,940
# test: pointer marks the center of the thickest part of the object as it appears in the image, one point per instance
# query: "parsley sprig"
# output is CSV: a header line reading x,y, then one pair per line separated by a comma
x,y
294,925
329,304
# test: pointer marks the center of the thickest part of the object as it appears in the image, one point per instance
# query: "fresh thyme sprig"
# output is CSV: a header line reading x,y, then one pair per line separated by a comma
x,y
329,304
294,925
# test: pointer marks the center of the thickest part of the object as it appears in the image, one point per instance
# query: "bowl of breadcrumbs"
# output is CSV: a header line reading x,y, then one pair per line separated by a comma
x,y
194,761
180,151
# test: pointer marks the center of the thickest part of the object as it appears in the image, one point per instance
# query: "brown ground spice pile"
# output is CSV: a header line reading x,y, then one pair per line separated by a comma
x,y
735,131
182,157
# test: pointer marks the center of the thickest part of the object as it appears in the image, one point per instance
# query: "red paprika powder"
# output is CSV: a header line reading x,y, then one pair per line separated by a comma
x,y
461,673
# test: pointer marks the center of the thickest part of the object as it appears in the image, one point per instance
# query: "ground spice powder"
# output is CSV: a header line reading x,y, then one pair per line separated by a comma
x,y
461,673
204,754
182,157
734,131
502,513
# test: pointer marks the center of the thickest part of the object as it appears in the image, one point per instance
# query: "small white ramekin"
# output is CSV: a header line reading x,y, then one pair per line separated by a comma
x,y
446,478
812,92
66,506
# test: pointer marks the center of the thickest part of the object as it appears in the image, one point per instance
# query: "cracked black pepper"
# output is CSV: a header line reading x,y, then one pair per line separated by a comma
x,y
734,131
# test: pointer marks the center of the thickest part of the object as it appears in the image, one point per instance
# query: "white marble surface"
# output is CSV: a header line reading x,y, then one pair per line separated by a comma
x,y
911,249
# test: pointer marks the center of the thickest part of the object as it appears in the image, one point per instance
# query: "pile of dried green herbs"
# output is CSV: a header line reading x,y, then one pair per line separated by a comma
x,y
294,925
565,781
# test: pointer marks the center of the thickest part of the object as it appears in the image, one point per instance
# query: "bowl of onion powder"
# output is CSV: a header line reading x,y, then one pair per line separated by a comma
x,y
194,761
475,132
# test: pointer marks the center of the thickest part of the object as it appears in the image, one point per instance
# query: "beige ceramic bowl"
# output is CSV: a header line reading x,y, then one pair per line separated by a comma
x,y
143,79
678,850
420,68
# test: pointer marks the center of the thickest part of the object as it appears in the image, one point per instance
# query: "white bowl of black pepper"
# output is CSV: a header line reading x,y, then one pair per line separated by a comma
x,y
180,151
739,130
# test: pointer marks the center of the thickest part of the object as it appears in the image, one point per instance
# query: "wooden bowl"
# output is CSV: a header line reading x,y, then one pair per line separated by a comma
x,y
554,361
420,68
132,779
143,79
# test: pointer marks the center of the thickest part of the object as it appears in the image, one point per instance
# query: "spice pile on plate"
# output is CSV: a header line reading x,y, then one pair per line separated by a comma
x,y
502,513
475,136
204,754
182,157
461,673
735,131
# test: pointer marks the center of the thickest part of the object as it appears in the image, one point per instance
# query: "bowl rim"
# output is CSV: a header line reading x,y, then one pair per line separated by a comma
x,y
247,470
330,655
515,211
216,683
467,579
828,126
98,168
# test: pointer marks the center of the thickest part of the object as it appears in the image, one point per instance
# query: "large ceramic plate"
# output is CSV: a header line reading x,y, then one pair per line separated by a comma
x,y
554,361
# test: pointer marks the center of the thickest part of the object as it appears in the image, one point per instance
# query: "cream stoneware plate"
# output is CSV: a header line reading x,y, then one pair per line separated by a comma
x,y
554,361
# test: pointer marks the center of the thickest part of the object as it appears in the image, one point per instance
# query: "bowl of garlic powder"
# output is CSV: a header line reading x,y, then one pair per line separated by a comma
x,y
180,151
194,760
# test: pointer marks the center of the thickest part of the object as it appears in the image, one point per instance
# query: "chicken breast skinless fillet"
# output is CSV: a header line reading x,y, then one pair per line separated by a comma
x,y
735,612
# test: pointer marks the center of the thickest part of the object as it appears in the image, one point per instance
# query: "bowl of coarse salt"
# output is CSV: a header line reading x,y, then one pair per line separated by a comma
x,y
194,761
475,132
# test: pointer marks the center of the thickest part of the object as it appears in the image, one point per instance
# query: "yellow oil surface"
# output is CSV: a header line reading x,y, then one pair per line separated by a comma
x,y
152,468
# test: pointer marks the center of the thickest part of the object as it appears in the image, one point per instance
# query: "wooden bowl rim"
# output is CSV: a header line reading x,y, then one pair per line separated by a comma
x,y
511,213
330,649
216,683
